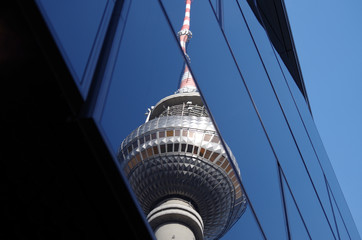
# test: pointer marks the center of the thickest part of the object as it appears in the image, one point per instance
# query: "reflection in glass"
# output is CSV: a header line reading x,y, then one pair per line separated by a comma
x,y
201,176
246,228
79,35
321,154
142,74
302,138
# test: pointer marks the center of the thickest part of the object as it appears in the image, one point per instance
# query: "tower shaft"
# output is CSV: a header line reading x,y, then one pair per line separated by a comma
x,y
176,219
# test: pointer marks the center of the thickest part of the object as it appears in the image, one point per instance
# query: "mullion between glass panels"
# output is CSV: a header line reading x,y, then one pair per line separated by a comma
x,y
283,199
330,202
344,224
295,202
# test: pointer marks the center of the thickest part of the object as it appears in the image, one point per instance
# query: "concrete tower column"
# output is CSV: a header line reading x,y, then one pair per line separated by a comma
x,y
176,219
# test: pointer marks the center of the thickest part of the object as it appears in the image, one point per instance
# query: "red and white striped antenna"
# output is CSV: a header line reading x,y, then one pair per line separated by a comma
x,y
187,82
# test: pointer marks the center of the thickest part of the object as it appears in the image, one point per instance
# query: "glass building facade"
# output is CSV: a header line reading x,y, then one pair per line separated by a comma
x,y
124,56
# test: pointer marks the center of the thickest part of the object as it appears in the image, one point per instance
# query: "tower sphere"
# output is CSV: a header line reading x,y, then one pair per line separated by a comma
x,y
178,154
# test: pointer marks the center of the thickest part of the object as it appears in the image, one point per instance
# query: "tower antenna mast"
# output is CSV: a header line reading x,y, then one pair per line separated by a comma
x,y
187,82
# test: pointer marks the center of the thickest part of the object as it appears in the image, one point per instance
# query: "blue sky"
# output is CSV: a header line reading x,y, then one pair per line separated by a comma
x,y
328,37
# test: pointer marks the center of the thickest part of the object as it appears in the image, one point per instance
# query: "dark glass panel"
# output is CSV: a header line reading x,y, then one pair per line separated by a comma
x,y
196,149
163,148
207,154
139,72
202,151
183,147
169,147
155,150
161,134
78,28
213,157
176,147
189,148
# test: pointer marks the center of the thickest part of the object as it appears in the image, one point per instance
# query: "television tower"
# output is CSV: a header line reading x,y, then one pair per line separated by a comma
x,y
179,169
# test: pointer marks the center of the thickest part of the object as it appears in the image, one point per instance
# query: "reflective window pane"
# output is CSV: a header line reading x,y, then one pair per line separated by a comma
x,y
246,228
342,231
262,117
321,153
78,27
297,227
127,82
302,138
